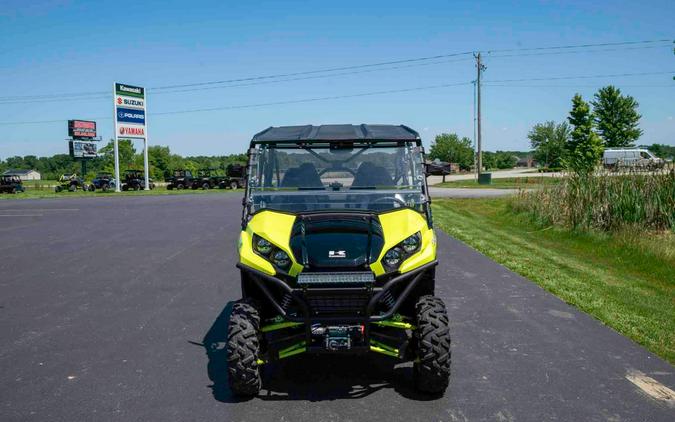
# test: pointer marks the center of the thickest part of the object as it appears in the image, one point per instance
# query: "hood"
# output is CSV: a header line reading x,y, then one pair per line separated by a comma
x,y
330,241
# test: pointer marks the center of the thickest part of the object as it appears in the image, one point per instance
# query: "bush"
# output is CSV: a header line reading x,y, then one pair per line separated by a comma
x,y
604,202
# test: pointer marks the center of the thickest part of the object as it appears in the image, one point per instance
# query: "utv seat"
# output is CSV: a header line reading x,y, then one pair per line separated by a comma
x,y
302,177
368,175
371,175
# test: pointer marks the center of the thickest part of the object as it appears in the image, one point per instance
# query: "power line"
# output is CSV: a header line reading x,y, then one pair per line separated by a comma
x,y
574,86
601,50
342,68
243,106
556,78
243,84
562,47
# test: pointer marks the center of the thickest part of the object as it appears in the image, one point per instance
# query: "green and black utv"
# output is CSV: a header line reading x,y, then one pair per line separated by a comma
x,y
337,253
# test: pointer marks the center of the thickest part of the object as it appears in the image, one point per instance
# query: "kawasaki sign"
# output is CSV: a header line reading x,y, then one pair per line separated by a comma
x,y
130,91
129,116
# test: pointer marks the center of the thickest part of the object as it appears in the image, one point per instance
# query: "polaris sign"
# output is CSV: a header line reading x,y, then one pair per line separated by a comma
x,y
129,111
128,115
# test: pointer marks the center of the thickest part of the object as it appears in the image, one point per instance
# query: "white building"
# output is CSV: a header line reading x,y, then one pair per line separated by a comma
x,y
23,174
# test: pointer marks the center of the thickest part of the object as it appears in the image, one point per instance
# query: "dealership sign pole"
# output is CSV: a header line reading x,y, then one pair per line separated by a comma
x,y
117,152
130,123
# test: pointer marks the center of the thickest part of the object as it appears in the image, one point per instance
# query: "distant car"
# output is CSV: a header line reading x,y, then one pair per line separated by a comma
x,y
437,168
71,183
617,158
102,181
11,184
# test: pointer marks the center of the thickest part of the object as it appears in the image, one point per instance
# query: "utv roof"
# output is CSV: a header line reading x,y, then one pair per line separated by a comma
x,y
337,133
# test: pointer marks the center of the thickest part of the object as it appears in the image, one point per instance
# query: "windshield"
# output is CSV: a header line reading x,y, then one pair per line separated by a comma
x,y
355,176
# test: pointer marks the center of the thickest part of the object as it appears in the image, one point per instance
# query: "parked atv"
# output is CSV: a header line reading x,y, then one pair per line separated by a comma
x,y
135,180
337,254
71,183
102,181
11,184
180,179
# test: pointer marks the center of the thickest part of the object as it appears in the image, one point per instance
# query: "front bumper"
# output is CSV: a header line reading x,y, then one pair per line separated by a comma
x,y
306,315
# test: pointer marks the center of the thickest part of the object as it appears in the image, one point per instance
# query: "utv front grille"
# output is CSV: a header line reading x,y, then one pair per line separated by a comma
x,y
352,301
335,278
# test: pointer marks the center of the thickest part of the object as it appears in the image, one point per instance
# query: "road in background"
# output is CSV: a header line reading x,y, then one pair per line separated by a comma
x,y
109,304
497,174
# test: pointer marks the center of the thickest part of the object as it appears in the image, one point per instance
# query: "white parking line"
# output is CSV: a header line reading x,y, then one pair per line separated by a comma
x,y
38,209
21,215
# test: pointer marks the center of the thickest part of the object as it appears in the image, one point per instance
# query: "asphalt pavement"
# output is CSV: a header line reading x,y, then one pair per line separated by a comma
x,y
108,307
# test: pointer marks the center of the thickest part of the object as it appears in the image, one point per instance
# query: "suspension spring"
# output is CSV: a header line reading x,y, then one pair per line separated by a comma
x,y
388,299
286,301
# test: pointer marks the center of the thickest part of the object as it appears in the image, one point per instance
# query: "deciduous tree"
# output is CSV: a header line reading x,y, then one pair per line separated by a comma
x,y
616,117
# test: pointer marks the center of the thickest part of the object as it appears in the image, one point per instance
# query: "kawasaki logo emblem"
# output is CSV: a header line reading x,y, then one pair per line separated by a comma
x,y
337,254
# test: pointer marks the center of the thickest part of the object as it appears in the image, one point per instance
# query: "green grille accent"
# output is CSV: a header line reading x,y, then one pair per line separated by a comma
x,y
292,350
379,347
279,326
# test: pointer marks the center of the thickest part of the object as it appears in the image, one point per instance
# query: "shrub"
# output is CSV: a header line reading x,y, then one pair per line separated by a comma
x,y
604,202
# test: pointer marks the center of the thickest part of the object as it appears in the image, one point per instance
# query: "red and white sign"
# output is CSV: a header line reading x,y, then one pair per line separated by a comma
x,y
127,131
129,102
81,129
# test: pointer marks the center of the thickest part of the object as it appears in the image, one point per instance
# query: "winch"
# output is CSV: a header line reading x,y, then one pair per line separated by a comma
x,y
338,337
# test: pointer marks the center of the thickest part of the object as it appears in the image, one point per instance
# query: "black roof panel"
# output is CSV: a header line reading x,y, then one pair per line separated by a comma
x,y
361,132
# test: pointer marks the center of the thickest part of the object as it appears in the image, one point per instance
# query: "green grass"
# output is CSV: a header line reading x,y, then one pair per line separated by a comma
x,y
623,279
505,183
49,193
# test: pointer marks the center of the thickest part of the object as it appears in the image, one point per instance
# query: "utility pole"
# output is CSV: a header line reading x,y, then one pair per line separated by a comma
x,y
479,69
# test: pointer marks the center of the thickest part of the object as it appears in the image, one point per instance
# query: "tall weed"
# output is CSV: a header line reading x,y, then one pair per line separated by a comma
x,y
604,201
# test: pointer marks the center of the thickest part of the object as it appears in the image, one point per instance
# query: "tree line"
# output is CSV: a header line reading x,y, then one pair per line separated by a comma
x,y
610,120
453,149
161,161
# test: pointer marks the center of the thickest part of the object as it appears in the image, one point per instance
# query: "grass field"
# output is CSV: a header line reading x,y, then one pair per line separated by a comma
x,y
624,280
505,183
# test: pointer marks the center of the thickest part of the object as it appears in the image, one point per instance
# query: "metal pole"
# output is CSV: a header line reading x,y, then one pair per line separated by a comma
x,y
479,70
475,151
146,168
117,151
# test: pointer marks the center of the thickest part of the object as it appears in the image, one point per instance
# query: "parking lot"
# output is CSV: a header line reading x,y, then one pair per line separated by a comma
x,y
109,306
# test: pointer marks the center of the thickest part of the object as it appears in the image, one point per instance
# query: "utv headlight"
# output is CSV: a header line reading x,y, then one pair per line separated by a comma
x,y
281,259
394,256
412,243
270,252
262,245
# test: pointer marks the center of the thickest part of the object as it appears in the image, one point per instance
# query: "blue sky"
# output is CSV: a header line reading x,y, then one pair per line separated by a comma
x,y
62,47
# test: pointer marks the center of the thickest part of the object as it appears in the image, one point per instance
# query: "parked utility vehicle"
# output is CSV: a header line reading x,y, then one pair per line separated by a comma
x,y
102,181
10,184
181,179
235,177
207,179
71,183
337,253
135,180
